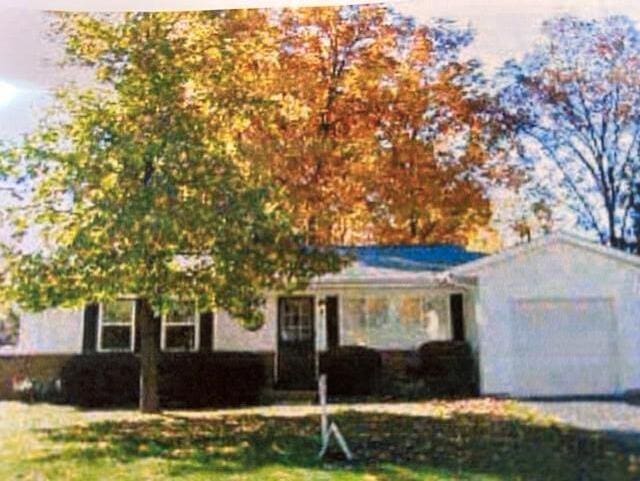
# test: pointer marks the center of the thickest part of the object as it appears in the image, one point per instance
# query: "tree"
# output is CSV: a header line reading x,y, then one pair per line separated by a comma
x,y
136,184
436,137
574,104
383,134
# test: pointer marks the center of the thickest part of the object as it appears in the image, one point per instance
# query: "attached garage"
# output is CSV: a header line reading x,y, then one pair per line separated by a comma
x,y
559,316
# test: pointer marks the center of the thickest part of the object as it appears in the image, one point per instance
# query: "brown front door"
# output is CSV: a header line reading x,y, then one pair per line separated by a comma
x,y
296,343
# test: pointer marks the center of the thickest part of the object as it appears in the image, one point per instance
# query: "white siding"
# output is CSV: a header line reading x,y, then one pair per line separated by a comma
x,y
60,331
54,331
470,325
321,322
229,335
557,270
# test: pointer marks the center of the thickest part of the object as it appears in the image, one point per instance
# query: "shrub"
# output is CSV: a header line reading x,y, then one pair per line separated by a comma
x,y
184,379
212,379
447,368
351,371
100,380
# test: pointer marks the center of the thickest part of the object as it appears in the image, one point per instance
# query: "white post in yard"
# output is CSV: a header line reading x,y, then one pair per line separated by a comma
x,y
324,415
326,429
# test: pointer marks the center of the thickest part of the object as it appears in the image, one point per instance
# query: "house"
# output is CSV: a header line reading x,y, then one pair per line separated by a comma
x,y
559,316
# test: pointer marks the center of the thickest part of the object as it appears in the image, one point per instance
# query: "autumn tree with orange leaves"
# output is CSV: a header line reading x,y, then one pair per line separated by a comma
x,y
383,135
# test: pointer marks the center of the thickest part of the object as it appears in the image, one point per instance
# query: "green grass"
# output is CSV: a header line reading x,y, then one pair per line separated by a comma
x,y
472,440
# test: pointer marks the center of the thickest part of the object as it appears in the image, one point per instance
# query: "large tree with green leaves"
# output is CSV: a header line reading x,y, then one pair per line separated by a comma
x,y
137,185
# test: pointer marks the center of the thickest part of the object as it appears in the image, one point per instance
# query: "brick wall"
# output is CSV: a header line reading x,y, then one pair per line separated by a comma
x,y
45,367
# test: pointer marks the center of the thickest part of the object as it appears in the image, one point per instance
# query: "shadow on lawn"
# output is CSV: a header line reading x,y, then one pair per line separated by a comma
x,y
465,444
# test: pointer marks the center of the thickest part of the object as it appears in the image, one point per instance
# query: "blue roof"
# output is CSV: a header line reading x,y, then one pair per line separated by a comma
x,y
412,258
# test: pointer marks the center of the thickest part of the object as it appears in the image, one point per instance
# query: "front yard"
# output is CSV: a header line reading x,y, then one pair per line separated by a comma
x,y
465,440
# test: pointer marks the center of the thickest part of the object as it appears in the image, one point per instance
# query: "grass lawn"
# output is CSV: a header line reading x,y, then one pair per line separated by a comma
x,y
465,440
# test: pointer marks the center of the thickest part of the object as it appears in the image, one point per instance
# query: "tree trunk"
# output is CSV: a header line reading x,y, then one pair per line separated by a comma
x,y
611,224
149,354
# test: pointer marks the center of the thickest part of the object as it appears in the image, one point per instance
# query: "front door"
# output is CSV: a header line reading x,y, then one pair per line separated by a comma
x,y
296,343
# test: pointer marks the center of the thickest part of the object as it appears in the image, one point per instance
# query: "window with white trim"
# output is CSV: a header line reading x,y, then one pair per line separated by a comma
x,y
297,319
116,331
180,328
395,321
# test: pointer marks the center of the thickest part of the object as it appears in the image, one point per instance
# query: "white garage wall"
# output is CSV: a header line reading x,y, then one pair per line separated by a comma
x,y
558,270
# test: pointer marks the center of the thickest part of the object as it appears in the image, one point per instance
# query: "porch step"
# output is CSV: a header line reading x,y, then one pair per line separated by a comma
x,y
279,396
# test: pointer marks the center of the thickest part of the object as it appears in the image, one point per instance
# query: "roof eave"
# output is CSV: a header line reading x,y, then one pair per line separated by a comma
x,y
442,279
472,268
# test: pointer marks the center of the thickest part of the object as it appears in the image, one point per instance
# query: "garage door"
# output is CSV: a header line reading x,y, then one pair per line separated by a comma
x,y
564,347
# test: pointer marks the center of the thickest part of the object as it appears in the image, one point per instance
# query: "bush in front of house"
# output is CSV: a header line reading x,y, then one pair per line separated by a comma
x,y
446,368
351,371
101,380
211,379
185,380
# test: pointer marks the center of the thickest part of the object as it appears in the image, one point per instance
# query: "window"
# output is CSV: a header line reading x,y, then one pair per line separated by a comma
x,y
116,321
365,318
180,328
377,312
354,321
395,321
437,318
297,319
354,309
411,311
9,328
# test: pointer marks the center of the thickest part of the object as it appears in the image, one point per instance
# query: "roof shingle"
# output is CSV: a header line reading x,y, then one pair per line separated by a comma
x,y
415,263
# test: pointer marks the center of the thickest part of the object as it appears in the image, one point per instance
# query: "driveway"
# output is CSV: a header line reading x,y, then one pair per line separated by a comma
x,y
615,418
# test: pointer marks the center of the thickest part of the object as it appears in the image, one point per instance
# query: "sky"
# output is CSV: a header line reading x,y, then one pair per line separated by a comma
x,y
28,58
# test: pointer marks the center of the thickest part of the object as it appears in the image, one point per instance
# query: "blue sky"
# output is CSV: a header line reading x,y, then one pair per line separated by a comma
x,y
28,58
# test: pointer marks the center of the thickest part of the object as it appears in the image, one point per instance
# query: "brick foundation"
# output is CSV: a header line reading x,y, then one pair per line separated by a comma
x,y
42,367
